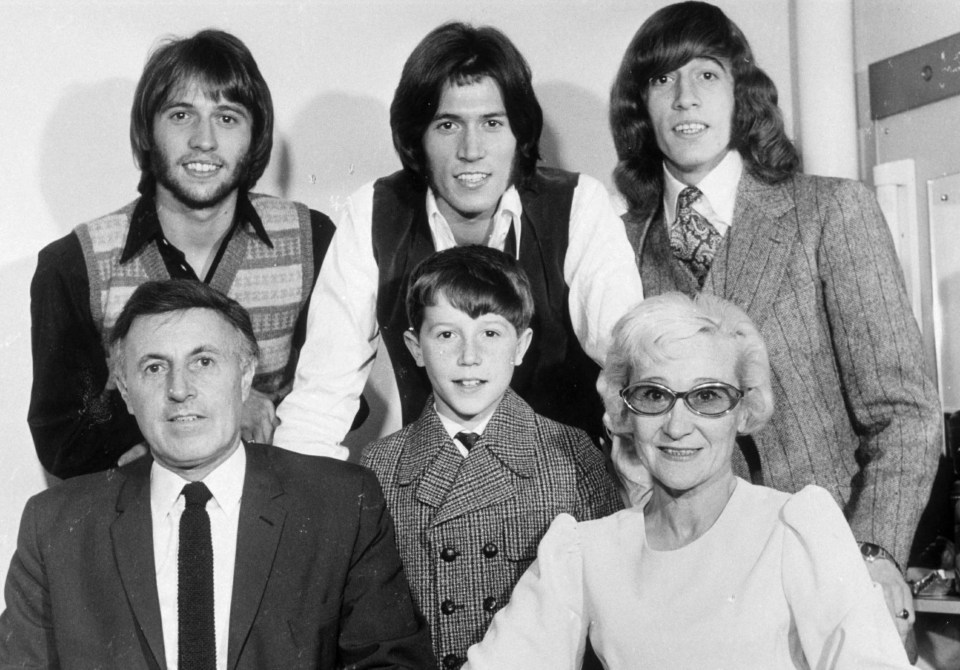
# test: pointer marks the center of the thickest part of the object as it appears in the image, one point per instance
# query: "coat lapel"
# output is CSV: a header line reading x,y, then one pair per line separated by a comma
x,y
749,267
423,464
132,537
262,516
506,449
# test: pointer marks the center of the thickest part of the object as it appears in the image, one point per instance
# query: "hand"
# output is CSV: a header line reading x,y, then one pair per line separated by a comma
x,y
132,454
259,418
896,593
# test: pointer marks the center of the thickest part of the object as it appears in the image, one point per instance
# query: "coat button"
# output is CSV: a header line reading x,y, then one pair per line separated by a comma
x,y
449,554
448,607
489,604
490,550
451,661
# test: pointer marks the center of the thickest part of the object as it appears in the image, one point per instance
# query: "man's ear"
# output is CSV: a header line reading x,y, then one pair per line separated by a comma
x,y
412,340
121,381
249,369
523,343
115,363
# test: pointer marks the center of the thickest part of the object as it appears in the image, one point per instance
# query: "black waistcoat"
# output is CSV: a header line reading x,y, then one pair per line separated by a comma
x,y
557,377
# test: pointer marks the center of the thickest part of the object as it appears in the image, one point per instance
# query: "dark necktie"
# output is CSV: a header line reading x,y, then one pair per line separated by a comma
x,y
197,636
693,239
468,439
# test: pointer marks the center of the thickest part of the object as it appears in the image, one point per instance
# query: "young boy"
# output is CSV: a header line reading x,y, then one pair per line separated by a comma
x,y
474,483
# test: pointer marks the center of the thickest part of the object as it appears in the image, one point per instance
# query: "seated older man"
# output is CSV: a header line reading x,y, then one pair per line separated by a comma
x,y
210,553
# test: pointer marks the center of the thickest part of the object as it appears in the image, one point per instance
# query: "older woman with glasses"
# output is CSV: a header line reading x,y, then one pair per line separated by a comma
x,y
706,569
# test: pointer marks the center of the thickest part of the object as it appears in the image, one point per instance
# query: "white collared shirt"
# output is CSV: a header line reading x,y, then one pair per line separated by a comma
x,y
509,210
166,507
343,333
719,190
452,428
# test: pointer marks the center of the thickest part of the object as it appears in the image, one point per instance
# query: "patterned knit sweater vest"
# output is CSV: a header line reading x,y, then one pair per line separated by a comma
x,y
272,284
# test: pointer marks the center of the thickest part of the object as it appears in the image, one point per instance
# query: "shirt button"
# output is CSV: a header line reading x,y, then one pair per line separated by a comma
x,y
489,604
448,607
490,550
449,554
451,661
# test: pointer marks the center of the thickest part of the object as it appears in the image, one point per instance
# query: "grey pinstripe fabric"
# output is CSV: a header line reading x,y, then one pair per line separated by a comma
x,y
813,263
522,472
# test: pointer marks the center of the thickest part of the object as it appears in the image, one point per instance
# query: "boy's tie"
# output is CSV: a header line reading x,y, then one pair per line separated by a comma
x,y
467,439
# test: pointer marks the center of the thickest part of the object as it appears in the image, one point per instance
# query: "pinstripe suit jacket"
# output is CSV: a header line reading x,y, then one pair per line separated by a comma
x,y
469,527
812,262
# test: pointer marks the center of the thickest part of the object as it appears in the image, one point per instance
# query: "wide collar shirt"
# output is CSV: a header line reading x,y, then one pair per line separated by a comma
x,y
719,190
508,213
166,506
452,428
145,228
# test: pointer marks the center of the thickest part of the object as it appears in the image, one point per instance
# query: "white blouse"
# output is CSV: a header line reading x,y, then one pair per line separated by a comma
x,y
777,582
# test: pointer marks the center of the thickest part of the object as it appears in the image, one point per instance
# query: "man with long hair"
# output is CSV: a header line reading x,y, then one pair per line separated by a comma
x,y
717,203
466,124
201,129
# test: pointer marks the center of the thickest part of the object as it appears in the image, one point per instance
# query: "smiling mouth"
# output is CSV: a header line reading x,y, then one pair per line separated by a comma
x,y
202,167
185,418
472,179
674,453
469,383
692,128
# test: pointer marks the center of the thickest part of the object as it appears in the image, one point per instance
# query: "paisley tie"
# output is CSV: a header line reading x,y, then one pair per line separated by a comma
x,y
693,239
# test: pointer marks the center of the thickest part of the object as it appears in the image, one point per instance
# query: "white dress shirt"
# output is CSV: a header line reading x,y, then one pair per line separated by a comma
x,y
342,328
166,506
719,190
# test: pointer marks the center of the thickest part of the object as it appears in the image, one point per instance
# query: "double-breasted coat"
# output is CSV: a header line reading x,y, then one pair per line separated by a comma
x,y
469,527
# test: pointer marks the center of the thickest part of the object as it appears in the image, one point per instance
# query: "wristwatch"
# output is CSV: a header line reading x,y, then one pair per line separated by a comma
x,y
872,552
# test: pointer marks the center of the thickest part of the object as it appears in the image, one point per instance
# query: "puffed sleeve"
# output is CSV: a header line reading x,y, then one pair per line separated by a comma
x,y
840,616
543,625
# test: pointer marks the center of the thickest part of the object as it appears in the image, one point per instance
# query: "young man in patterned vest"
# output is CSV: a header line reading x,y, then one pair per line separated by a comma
x,y
466,124
201,130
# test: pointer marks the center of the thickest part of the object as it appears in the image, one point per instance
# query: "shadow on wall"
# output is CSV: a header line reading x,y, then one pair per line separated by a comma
x,y
575,124
337,143
87,168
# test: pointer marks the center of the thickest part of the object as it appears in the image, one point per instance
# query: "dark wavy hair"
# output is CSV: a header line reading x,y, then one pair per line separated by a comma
x,y
668,40
475,279
178,295
458,53
223,67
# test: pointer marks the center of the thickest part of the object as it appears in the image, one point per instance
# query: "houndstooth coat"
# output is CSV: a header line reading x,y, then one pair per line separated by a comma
x,y
469,527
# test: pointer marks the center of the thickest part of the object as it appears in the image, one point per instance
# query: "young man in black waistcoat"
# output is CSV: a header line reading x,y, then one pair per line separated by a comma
x,y
466,125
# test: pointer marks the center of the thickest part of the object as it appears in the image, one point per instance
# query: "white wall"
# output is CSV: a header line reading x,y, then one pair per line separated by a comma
x,y
68,70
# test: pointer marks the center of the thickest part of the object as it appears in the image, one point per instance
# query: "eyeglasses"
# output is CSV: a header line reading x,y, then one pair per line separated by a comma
x,y
712,399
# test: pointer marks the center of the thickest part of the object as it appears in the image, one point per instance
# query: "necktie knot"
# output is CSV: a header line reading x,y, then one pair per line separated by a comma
x,y
688,196
467,439
196,494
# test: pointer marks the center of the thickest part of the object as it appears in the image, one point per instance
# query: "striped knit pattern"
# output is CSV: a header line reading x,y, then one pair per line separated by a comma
x,y
812,262
272,284
491,509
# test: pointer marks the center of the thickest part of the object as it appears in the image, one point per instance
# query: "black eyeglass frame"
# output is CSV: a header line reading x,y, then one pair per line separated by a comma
x,y
682,395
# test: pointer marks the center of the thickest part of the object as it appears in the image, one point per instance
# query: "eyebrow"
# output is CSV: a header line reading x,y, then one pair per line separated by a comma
x,y
202,349
450,116
224,106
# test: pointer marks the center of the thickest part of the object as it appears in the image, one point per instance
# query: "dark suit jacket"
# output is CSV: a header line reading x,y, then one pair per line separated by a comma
x,y
318,582
812,262
490,510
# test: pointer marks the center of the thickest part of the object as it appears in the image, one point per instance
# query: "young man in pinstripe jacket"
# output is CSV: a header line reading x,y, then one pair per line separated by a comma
x,y
704,154
474,483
